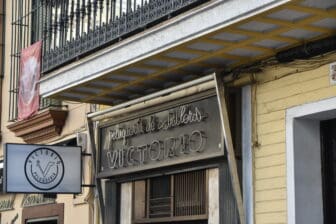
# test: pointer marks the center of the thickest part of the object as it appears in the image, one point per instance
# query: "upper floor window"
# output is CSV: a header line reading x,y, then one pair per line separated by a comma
x,y
26,30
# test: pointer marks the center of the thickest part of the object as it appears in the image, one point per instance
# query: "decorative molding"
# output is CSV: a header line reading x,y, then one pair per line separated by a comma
x,y
6,202
40,127
36,199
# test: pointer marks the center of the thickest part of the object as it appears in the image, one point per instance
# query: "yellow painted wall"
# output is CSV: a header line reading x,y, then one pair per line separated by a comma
x,y
277,89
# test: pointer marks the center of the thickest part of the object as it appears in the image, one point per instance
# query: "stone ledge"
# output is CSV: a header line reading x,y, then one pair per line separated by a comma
x,y
45,125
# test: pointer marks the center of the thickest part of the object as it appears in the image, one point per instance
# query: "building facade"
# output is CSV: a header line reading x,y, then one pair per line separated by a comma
x,y
209,111
294,129
56,123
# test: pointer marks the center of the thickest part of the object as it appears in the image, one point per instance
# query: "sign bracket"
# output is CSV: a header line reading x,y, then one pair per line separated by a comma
x,y
86,154
98,184
88,185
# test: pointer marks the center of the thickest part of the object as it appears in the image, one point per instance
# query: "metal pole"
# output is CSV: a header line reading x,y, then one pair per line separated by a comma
x,y
220,89
90,124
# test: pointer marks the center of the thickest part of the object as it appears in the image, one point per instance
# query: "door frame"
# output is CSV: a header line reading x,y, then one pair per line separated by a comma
x,y
304,160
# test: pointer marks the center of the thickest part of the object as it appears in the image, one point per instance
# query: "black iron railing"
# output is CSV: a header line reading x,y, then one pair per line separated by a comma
x,y
74,28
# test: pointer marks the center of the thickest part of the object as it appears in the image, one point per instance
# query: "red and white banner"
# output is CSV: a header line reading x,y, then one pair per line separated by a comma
x,y
30,66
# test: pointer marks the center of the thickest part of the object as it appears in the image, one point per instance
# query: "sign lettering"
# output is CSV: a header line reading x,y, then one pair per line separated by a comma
x,y
35,199
187,132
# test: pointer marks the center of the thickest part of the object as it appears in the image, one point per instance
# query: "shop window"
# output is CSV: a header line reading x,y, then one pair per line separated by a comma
x,y
171,198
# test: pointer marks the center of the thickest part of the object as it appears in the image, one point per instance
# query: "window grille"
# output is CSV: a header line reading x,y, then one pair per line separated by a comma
x,y
189,194
26,29
172,198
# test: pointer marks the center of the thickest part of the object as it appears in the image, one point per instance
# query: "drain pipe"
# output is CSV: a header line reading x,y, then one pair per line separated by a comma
x,y
2,14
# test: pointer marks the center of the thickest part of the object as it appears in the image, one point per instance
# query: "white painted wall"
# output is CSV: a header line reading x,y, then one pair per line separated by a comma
x,y
304,182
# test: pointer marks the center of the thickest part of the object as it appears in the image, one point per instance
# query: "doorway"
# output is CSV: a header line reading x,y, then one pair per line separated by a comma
x,y
307,162
328,140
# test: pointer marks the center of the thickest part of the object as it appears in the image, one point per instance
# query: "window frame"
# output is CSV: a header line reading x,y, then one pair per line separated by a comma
x,y
26,29
171,218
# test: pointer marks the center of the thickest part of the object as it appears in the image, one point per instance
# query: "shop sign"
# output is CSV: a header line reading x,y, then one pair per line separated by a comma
x,y
36,199
42,169
184,133
333,74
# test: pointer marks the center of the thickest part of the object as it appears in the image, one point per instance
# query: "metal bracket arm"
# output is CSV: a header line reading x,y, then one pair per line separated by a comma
x,y
86,154
88,185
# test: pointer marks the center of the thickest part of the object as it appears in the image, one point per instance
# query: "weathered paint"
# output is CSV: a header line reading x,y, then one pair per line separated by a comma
x,y
213,185
126,203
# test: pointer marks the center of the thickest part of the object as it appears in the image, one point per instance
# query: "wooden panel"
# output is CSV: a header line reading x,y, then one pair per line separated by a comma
x,y
139,199
294,89
213,186
269,117
272,183
271,195
270,218
264,151
271,127
271,206
271,161
126,203
271,172
111,202
273,138
306,97
270,86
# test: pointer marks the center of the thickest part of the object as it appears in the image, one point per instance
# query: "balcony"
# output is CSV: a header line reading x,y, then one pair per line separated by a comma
x,y
72,29
122,59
